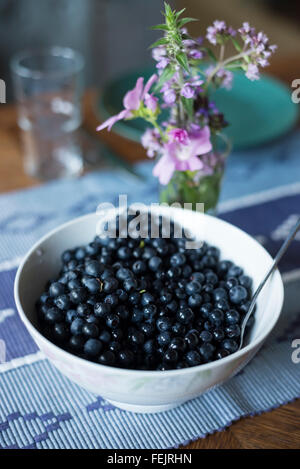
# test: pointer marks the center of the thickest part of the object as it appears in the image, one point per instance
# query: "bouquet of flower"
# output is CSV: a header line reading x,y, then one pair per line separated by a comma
x,y
190,163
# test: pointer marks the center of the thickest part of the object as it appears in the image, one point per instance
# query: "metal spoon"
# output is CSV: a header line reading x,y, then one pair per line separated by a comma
x,y
277,258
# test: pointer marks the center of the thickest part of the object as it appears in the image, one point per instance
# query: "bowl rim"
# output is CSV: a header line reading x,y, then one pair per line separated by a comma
x,y
144,373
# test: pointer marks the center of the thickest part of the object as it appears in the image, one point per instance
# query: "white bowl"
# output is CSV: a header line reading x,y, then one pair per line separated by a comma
x,y
149,391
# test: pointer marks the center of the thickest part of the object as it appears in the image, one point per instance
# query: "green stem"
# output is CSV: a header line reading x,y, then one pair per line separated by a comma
x,y
223,64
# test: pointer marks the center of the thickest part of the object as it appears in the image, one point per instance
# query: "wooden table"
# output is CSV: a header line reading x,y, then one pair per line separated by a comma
x,y
279,428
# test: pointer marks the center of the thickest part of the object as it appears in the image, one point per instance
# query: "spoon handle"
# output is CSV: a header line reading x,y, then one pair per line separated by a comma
x,y
277,258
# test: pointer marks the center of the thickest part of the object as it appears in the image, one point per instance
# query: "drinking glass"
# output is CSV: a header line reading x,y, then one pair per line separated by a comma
x,y
48,88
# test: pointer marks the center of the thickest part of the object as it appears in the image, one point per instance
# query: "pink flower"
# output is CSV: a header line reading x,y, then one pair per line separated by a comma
x,y
150,141
183,156
151,102
252,72
187,91
179,135
132,102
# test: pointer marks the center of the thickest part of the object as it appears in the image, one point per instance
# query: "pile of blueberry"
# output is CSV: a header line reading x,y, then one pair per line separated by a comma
x,y
147,304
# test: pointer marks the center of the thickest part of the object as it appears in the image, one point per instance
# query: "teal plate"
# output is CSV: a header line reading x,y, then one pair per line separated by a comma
x,y
258,112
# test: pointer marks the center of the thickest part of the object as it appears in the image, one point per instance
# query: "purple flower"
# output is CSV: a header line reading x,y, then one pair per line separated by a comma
x,y
158,53
219,31
183,156
195,54
151,102
150,141
132,102
162,63
252,72
187,91
169,96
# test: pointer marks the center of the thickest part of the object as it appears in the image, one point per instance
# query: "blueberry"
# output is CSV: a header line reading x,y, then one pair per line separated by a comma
x,y
90,330
232,317
147,329
67,256
137,337
206,336
245,281
134,298
130,283
178,343
147,298
205,310
174,272
164,338
164,324
166,297
124,253
172,306
80,254
126,358
112,321
137,315
211,278
71,315
178,329
171,356
101,310
123,273
230,345
73,284
112,299
93,347
117,334
105,337
56,289
218,335
94,268
149,311
192,338
193,358
77,326
115,346
155,263
139,267
193,287
185,316
63,302
208,326
61,332
110,285
216,317
233,331
53,315
107,358
93,285
231,282
222,304
79,295
222,354
123,296
238,294
195,300
149,346
198,277
178,259
77,342
235,271
207,351
220,294
84,310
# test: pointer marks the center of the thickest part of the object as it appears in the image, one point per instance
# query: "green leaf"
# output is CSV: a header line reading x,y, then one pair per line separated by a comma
x,y
162,27
179,13
236,44
160,42
188,106
165,76
211,54
184,21
183,61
